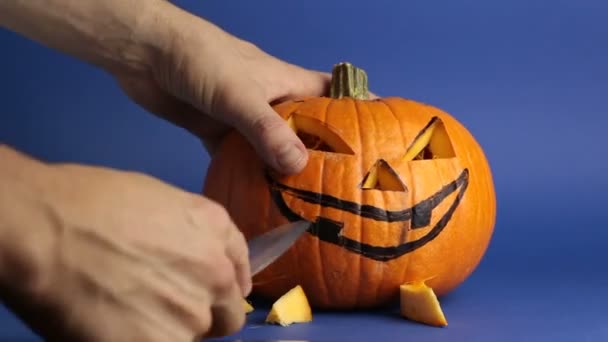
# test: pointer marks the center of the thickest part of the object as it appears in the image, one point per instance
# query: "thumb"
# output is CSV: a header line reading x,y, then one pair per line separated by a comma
x,y
271,136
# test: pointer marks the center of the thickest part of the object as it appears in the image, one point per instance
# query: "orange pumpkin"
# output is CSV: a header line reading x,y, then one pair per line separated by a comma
x,y
398,191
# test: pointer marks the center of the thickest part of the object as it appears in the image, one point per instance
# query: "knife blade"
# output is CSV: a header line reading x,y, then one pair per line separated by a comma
x,y
266,248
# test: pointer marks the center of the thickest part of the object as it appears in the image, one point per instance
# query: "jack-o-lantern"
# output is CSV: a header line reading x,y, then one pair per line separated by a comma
x,y
398,191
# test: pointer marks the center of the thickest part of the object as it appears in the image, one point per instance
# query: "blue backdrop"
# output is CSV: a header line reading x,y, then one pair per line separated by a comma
x,y
528,78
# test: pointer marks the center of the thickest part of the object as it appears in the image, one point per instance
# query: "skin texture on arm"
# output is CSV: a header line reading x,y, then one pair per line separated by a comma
x,y
179,67
112,34
103,255
21,182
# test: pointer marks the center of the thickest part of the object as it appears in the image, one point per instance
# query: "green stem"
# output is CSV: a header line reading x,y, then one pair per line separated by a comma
x,y
348,81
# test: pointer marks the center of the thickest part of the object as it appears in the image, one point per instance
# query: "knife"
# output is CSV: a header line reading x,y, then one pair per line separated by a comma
x,y
266,248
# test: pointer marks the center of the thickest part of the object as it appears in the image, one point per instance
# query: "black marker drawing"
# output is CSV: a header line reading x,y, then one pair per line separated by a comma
x,y
329,231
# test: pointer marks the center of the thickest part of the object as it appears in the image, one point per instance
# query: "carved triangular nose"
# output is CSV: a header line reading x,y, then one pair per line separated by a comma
x,y
383,177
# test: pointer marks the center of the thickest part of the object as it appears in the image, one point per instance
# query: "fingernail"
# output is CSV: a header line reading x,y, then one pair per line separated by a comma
x,y
291,158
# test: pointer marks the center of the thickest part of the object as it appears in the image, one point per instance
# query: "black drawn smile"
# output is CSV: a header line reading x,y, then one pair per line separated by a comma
x,y
330,231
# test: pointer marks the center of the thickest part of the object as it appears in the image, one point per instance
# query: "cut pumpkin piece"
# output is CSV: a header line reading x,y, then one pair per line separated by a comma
x,y
419,303
247,306
291,308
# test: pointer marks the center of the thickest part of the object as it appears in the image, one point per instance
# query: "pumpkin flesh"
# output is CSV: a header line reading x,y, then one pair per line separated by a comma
x,y
419,303
290,308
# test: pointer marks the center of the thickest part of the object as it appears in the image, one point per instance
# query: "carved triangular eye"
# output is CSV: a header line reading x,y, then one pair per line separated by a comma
x,y
383,177
432,142
318,136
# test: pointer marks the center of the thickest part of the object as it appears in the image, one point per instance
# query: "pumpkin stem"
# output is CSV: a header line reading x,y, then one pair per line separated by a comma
x,y
348,81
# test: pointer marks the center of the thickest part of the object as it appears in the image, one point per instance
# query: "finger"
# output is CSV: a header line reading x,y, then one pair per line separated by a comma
x,y
228,315
269,134
238,252
312,83
307,83
274,140
372,96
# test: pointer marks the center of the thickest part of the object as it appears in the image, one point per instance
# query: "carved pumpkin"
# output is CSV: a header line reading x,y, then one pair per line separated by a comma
x,y
398,191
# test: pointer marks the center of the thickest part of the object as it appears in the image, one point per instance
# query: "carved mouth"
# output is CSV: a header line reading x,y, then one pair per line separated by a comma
x,y
330,231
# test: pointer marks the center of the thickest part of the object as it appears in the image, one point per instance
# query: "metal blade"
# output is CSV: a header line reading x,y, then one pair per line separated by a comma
x,y
267,247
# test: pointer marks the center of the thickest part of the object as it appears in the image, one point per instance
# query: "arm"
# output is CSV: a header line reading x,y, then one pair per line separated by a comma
x,y
116,35
179,67
25,233
75,240
91,30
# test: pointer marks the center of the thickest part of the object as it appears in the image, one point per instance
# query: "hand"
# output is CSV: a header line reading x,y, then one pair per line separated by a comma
x,y
118,256
208,81
179,67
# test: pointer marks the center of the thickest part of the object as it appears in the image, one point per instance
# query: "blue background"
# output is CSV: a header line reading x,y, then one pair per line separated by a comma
x,y
528,78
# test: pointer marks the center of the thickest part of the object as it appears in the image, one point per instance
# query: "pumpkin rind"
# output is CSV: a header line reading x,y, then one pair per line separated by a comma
x,y
381,129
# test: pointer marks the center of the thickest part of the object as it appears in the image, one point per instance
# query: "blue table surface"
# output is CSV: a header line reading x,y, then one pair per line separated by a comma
x,y
528,78
486,309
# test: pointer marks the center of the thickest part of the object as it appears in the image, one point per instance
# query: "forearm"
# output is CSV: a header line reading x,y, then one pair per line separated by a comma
x,y
25,219
108,33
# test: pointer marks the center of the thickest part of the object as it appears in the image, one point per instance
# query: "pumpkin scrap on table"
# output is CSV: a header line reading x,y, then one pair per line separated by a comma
x,y
247,306
419,303
397,191
292,307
